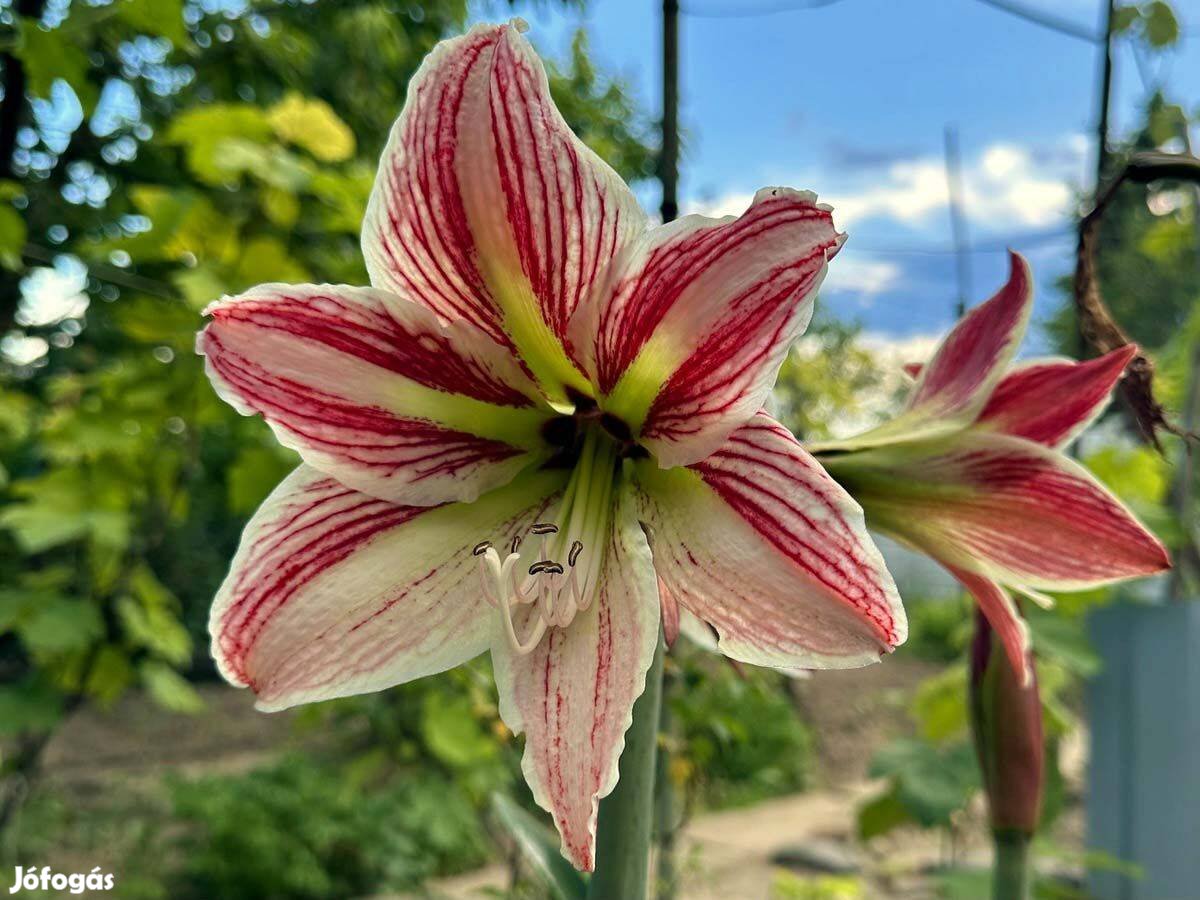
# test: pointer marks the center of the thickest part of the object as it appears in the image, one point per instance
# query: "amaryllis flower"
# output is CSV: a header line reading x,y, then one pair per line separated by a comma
x,y
540,408
972,472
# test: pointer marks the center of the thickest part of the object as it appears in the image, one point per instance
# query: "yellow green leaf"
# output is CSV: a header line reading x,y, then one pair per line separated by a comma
x,y
313,125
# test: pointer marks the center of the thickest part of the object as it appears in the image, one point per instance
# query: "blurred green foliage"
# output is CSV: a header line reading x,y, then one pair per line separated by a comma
x,y
169,152
740,737
298,830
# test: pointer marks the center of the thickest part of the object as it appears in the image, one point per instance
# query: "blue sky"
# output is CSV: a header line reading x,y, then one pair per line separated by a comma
x,y
851,100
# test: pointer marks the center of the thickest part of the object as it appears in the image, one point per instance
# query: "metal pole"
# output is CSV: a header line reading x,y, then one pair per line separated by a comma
x,y
668,161
958,220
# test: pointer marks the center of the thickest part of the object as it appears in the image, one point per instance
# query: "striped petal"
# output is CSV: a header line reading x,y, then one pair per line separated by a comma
x,y
688,334
488,208
1052,401
761,544
333,592
374,390
573,694
1003,507
1004,617
951,390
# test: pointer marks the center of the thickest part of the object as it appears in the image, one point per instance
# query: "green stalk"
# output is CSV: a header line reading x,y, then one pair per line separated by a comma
x,y
666,801
627,814
1011,871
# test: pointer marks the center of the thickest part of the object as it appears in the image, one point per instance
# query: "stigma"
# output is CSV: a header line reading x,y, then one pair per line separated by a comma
x,y
556,590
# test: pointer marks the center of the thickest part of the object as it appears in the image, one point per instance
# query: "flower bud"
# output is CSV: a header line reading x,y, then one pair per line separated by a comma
x,y
1006,719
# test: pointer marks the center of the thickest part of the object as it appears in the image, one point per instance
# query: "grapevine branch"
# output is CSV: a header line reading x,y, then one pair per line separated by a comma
x,y
1096,323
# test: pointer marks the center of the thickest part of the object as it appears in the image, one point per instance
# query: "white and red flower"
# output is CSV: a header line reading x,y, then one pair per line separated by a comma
x,y
540,410
972,473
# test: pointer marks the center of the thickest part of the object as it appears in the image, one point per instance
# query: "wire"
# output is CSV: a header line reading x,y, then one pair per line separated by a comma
x,y
735,12
1045,20
1029,239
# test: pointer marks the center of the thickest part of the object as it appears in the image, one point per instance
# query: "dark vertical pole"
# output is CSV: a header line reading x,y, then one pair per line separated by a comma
x,y
1105,96
1102,126
12,113
666,801
668,161
958,220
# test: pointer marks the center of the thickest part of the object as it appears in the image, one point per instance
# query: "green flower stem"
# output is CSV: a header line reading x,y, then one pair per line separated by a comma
x,y
666,800
627,814
1012,875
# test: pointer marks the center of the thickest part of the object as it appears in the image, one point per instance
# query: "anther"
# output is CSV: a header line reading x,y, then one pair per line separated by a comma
x,y
576,549
544,528
481,548
515,546
547,566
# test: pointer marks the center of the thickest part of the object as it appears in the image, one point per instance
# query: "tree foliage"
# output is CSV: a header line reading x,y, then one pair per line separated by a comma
x,y
169,152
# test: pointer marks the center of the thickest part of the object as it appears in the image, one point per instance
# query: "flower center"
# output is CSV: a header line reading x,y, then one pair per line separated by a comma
x,y
551,572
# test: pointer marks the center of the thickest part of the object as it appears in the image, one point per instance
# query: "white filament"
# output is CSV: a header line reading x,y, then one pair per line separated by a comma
x,y
557,595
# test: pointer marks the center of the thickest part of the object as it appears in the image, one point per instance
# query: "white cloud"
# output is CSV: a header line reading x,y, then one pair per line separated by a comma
x,y
867,277
1006,186
892,352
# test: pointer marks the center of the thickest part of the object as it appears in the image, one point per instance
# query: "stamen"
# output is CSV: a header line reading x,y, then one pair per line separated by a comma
x,y
555,592
560,580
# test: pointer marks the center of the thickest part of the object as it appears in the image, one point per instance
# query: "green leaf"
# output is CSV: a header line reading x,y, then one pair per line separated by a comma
x,y
1161,26
539,848
312,124
452,732
931,782
150,620
51,55
253,474
204,130
59,625
29,705
63,505
168,688
12,237
939,707
881,815
109,675
272,165
1063,640
160,18
200,286
266,259
281,207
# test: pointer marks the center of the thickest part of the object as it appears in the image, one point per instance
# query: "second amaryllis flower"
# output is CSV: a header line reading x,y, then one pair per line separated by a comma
x,y
972,473
541,411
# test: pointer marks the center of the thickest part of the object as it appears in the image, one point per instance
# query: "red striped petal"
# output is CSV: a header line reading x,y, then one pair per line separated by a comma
x,y
952,388
573,694
760,543
333,592
487,207
697,317
1004,617
974,355
374,390
1025,514
1052,401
